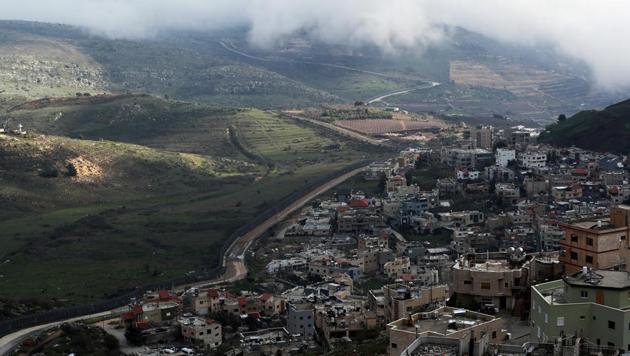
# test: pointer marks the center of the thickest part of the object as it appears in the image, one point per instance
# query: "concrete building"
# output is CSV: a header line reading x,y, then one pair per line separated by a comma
x,y
491,278
402,299
301,319
595,243
503,156
335,321
483,136
533,159
592,304
507,193
355,220
550,237
476,158
458,324
201,332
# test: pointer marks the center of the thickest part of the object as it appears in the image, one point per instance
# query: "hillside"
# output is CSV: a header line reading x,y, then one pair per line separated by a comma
x,y
151,201
38,60
479,76
605,130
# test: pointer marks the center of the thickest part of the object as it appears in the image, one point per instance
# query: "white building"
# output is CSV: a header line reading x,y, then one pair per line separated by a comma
x,y
468,175
533,159
504,156
202,332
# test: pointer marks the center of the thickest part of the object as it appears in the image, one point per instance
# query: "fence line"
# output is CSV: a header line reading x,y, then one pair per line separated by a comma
x,y
18,323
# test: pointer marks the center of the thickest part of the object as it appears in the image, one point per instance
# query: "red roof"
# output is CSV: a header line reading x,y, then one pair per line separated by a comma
x,y
142,324
137,309
242,301
359,203
127,315
164,294
213,293
266,296
580,171
255,315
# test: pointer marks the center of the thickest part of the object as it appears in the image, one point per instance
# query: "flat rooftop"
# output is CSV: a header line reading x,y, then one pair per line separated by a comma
x,y
444,321
594,224
600,279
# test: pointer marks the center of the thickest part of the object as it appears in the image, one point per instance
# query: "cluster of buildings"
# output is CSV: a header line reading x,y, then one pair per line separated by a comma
x,y
519,235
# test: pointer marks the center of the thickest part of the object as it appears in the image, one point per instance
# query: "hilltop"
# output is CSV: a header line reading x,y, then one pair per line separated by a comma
x,y
605,130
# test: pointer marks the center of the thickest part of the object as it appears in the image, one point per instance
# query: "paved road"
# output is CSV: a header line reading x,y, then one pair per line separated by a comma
x,y
380,98
340,130
234,262
231,48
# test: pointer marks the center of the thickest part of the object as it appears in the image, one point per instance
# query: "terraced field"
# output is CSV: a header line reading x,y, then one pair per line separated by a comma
x,y
381,126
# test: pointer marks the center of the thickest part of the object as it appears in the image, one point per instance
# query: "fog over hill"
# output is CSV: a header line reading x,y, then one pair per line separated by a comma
x,y
587,30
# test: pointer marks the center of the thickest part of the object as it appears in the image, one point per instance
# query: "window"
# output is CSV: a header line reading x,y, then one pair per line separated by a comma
x,y
467,282
582,317
589,259
485,285
560,321
594,317
574,255
546,318
394,346
494,334
623,237
574,238
611,324
589,241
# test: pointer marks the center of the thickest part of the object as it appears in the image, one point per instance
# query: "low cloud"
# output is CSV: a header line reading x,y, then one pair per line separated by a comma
x,y
592,31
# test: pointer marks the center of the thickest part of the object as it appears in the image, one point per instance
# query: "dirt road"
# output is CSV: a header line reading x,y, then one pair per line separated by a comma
x,y
234,262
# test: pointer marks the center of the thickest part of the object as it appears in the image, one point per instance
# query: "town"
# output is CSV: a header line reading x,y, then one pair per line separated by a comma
x,y
491,243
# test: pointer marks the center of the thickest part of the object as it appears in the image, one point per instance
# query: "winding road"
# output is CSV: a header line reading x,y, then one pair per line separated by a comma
x,y
233,261
380,98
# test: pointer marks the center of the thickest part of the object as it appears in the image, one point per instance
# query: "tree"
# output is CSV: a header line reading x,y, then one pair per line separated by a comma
x,y
562,117
49,171
71,170
408,177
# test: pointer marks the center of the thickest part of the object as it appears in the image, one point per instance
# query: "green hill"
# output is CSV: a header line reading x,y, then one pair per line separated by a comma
x,y
605,130
151,201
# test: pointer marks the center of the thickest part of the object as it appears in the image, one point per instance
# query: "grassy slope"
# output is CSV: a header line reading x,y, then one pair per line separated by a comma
x,y
56,60
606,130
85,241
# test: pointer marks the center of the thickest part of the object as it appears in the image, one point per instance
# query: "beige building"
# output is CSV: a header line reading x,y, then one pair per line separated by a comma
x,y
335,321
444,322
596,243
491,278
400,300
201,332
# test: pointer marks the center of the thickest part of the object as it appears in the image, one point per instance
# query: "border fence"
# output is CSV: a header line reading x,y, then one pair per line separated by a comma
x,y
8,326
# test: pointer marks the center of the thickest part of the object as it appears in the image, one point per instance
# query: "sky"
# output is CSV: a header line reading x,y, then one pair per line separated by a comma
x,y
594,31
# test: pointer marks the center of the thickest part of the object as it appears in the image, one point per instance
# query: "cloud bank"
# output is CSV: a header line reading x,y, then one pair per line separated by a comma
x,y
593,31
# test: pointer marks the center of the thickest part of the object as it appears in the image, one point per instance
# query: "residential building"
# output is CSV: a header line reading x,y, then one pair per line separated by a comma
x,y
592,304
533,159
504,156
201,332
301,319
483,137
402,299
491,278
458,324
595,243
